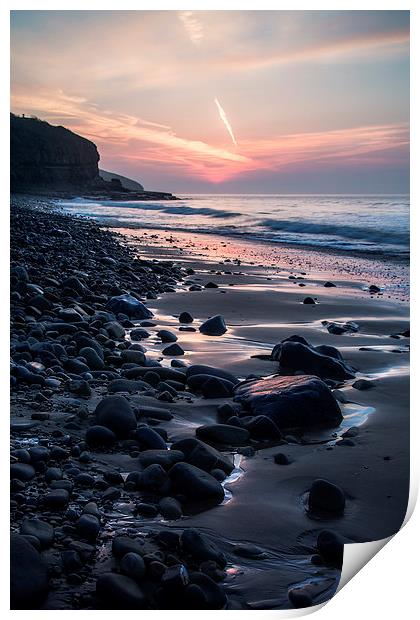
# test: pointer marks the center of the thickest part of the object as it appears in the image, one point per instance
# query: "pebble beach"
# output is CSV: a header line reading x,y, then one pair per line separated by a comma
x,y
198,422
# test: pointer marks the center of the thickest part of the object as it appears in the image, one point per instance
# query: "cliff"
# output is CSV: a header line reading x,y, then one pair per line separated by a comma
x,y
47,157
126,183
50,160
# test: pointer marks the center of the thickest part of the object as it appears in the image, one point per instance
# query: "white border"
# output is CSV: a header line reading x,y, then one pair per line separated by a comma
x,y
387,585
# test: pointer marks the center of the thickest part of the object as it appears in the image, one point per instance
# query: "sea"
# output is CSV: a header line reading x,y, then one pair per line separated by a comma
x,y
369,224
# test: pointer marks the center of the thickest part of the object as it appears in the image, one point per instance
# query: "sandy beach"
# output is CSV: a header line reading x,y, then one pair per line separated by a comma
x,y
263,524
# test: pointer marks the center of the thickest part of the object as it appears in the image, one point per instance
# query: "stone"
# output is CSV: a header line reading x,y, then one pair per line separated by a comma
x,y
170,508
80,387
139,333
39,453
154,479
29,583
224,434
201,548
120,592
111,495
132,565
202,369
185,317
282,459
72,562
22,471
149,439
201,455
295,355
334,327
115,413
69,315
121,545
215,326
43,531
173,349
364,384
165,458
262,427
331,547
175,577
329,284
115,330
126,385
100,437
309,301
129,305
57,499
195,484
300,598
130,356
167,336
204,593
298,401
146,510
88,527
210,387
93,360
53,473
324,496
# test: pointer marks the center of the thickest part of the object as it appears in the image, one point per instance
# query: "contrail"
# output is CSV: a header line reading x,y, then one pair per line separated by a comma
x,y
225,121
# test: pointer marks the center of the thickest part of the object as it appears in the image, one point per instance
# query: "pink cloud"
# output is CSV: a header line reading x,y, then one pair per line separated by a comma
x,y
129,139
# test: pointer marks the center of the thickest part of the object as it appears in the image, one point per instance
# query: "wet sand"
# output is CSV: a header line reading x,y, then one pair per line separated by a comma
x,y
261,306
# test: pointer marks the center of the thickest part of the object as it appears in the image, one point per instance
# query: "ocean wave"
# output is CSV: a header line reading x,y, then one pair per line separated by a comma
x,y
370,235
175,209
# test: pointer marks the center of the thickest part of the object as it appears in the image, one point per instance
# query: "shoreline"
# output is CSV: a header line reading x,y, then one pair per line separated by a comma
x,y
272,560
325,262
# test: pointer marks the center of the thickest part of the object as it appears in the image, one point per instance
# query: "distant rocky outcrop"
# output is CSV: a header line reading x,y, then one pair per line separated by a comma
x,y
126,183
44,156
49,160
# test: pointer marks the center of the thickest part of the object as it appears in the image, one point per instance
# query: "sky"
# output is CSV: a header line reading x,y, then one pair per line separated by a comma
x,y
225,101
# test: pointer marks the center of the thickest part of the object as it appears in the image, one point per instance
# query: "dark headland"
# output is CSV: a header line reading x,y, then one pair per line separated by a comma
x,y
53,161
187,433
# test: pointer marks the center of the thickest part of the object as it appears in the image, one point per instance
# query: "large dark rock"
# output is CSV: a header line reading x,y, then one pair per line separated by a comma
x,y
202,369
195,484
100,437
224,434
149,439
129,305
167,336
201,548
120,592
115,413
331,547
201,455
43,531
215,326
132,565
296,354
299,401
44,156
28,575
164,458
121,545
324,496
214,597
210,386
93,359
22,471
